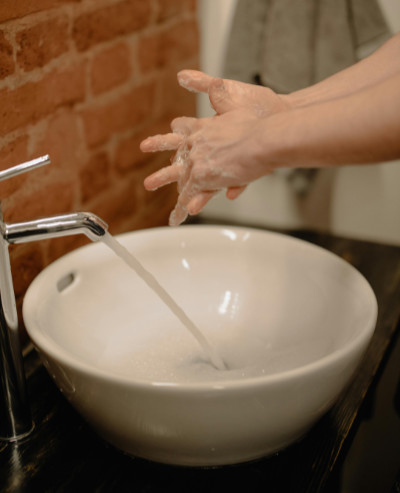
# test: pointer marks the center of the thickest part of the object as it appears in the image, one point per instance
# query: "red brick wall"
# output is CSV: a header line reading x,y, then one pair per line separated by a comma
x,y
85,81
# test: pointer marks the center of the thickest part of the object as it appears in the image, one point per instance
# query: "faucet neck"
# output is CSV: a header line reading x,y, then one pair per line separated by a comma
x,y
15,417
51,227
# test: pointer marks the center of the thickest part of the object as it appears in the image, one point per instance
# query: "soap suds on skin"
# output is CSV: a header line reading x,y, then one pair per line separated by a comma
x,y
183,83
180,213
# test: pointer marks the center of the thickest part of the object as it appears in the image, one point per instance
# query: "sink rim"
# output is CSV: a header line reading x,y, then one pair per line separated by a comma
x,y
49,347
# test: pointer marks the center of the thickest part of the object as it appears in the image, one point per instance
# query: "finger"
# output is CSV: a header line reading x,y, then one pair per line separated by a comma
x,y
181,159
199,201
178,215
188,192
190,201
163,176
184,125
166,142
194,81
219,97
233,193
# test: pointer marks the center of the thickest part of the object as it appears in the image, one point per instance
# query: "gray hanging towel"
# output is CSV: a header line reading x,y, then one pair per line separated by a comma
x,y
291,44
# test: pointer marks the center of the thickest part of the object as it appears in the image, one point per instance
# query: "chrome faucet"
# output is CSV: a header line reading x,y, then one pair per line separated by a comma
x,y
15,415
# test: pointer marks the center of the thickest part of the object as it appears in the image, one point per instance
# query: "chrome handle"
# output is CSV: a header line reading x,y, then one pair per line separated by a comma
x,y
24,167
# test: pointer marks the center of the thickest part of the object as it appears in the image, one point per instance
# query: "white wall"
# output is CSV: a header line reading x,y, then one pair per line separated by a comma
x,y
359,202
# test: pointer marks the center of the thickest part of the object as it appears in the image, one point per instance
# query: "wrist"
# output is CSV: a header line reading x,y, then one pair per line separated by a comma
x,y
290,101
271,144
305,97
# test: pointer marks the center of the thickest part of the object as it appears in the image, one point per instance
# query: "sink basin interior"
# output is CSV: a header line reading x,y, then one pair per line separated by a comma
x,y
289,319
268,307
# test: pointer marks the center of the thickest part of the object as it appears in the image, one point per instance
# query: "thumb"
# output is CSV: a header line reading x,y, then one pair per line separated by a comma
x,y
194,81
219,97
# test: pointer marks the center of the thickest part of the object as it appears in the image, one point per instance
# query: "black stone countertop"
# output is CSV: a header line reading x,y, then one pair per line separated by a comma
x,y
63,454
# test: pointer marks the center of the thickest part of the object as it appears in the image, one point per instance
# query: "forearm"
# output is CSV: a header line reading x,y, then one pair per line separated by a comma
x,y
363,127
382,64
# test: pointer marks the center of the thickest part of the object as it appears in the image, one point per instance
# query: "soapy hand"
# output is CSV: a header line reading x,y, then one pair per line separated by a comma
x,y
209,151
215,153
351,117
261,100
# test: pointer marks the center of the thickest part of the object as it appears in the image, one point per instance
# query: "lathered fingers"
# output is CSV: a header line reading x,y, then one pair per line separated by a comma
x,y
164,142
194,81
233,193
198,202
163,176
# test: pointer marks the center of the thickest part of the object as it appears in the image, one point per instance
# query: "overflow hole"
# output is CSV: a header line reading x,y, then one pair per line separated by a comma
x,y
65,281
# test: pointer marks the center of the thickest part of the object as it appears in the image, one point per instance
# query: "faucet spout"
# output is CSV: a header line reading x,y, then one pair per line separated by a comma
x,y
51,227
15,416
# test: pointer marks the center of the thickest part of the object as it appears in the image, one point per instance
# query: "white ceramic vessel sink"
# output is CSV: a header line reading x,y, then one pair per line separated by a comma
x,y
290,319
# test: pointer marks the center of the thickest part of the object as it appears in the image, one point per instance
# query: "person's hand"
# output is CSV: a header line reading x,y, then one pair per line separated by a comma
x,y
262,100
202,165
214,154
